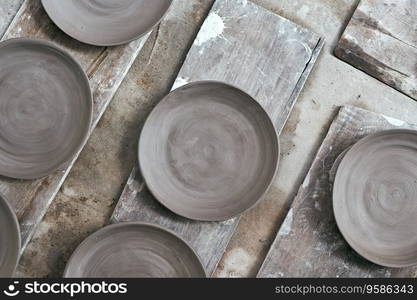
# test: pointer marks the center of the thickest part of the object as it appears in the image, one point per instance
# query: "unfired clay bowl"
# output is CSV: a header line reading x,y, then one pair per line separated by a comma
x,y
45,108
134,250
106,22
208,151
9,239
375,198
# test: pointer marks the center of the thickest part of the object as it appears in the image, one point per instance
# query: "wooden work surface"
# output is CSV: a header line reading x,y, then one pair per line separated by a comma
x,y
381,39
105,66
251,48
308,243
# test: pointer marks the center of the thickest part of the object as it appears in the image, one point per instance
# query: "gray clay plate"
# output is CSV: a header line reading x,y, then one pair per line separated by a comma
x,y
208,151
9,239
375,198
106,22
45,108
134,250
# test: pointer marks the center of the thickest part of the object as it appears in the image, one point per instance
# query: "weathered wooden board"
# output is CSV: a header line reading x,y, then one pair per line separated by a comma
x,y
256,50
308,243
106,68
381,39
8,10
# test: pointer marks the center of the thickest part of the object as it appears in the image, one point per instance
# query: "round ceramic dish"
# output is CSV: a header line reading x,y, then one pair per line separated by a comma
x,y
134,250
45,108
375,198
208,151
9,239
106,22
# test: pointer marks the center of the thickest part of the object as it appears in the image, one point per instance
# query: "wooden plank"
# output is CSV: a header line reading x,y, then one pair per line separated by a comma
x,y
381,39
308,243
106,67
256,50
8,10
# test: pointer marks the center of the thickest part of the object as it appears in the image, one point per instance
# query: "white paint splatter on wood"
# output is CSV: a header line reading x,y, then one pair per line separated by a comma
x,y
180,82
306,181
212,28
393,121
236,264
286,227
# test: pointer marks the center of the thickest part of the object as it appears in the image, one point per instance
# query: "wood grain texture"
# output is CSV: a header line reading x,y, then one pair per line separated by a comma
x,y
381,39
8,10
309,243
105,67
257,51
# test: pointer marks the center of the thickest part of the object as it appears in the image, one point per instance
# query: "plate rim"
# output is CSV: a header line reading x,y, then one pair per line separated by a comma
x,y
336,215
276,141
89,99
85,41
16,223
128,224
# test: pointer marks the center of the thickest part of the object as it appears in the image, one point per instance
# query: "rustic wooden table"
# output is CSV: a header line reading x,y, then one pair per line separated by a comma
x,y
88,196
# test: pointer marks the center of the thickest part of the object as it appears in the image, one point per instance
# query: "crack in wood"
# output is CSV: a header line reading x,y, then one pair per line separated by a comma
x,y
94,66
